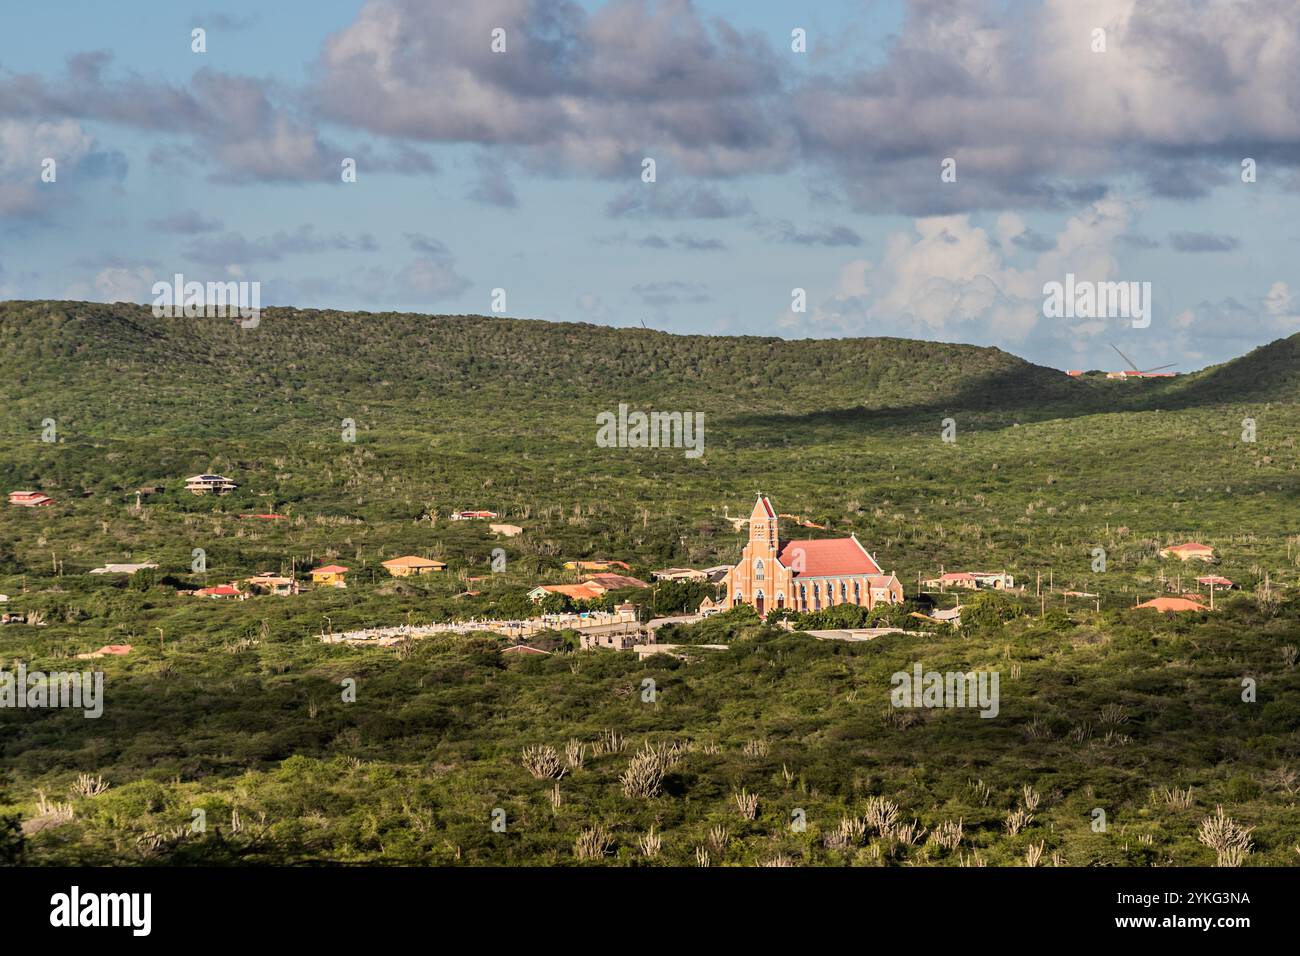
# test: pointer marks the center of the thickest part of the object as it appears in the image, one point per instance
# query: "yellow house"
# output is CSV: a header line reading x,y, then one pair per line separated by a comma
x,y
410,564
330,576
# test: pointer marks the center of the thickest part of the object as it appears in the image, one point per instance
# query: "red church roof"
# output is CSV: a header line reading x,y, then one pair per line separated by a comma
x,y
827,556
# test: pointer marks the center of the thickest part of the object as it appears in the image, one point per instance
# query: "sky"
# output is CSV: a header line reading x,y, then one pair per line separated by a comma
x,y
918,168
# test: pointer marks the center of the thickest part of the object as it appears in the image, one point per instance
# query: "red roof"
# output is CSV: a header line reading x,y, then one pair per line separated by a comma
x,y
828,556
1214,579
579,592
1168,604
115,649
330,569
221,590
957,576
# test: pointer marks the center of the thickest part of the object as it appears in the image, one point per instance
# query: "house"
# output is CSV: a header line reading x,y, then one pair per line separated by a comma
x,y
1215,581
709,607
679,574
330,576
108,650
575,592
209,484
1188,551
273,584
595,565
617,637
1168,605
122,568
953,579
972,580
472,515
805,575
509,530
411,564
611,582
221,591
950,615
30,499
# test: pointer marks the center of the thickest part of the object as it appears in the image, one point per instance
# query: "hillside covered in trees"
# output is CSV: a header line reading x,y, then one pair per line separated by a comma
x,y
235,708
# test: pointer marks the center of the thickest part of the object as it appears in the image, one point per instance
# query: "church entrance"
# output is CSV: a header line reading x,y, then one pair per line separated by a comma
x,y
759,604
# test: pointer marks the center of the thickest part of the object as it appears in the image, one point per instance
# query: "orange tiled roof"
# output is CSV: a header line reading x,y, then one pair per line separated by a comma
x,y
579,592
412,561
1170,604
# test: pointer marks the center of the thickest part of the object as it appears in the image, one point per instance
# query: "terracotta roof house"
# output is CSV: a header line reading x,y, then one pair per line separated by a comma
x,y
30,499
209,485
472,515
612,581
805,575
220,591
273,584
577,592
412,564
1188,551
1168,605
330,576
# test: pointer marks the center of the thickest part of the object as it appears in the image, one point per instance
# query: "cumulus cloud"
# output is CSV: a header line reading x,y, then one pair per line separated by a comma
x,y
1032,116
573,90
951,280
233,121
25,144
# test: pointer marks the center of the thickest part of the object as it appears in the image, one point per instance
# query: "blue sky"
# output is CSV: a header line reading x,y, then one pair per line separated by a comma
x,y
776,170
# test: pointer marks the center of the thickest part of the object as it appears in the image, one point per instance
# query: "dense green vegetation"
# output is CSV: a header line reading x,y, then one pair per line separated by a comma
x,y
235,708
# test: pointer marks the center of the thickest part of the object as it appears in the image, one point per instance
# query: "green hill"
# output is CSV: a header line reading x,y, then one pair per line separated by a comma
x,y
234,707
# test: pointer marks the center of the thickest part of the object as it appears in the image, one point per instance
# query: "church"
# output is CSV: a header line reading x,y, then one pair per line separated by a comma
x,y
805,575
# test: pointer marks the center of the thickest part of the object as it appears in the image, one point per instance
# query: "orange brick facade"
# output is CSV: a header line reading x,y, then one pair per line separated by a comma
x,y
805,575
